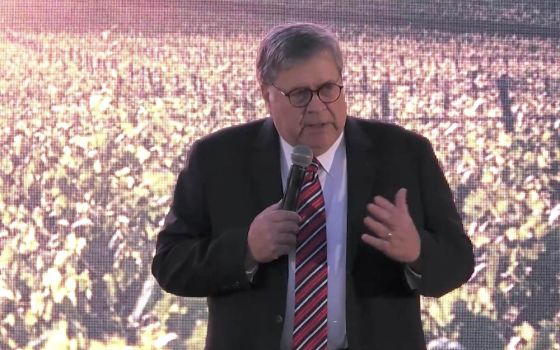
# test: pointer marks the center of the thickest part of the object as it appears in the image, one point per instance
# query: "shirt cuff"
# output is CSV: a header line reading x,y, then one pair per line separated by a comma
x,y
250,272
412,278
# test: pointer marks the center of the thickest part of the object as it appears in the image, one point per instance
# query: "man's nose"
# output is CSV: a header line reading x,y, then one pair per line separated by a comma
x,y
316,105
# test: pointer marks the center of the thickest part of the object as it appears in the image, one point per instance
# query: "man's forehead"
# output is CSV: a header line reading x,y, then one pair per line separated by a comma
x,y
312,72
292,62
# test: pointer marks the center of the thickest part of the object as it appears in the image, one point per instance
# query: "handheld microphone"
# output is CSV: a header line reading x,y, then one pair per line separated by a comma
x,y
302,156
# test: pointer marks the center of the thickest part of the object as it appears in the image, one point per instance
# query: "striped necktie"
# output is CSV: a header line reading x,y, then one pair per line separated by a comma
x,y
310,317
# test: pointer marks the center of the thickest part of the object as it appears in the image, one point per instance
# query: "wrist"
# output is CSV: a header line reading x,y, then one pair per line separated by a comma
x,y
416,265
250,261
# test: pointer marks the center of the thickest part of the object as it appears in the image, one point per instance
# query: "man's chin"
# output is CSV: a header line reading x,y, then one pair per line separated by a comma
x,y
319,141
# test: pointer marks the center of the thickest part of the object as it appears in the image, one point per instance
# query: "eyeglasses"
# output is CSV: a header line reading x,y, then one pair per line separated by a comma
x,y
300,97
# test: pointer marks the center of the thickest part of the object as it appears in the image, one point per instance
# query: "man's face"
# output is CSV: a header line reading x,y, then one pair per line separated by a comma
x,y
317,125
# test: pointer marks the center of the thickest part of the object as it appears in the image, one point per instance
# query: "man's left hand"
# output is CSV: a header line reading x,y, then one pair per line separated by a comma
x,y
392,231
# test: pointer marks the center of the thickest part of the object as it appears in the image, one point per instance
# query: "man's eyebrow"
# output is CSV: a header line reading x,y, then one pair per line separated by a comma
x,y
330,81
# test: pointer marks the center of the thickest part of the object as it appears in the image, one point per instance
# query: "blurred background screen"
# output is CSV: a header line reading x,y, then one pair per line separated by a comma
x,y
101,100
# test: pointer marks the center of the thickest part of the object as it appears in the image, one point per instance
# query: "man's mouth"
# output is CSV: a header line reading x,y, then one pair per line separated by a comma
x,y
316,125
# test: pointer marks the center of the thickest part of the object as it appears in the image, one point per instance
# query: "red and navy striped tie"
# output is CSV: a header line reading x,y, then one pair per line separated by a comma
x,y
310,317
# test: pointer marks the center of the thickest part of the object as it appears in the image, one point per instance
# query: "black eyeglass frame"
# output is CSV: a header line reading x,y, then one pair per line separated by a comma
x,y
313,92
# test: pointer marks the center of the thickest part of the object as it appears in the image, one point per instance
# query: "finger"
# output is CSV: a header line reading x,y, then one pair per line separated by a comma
x,y
282,249
287,227
377,243
282,215
273,206
379,213
287,239
383,203
377,228
400,200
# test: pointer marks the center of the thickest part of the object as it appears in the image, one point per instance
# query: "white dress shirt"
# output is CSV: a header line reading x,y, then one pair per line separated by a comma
x,y
333,177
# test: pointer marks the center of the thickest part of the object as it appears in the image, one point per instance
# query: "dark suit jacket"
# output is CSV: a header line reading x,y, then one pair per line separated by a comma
x,y
232,175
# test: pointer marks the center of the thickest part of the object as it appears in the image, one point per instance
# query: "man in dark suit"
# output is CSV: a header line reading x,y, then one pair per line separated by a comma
x,y
392,230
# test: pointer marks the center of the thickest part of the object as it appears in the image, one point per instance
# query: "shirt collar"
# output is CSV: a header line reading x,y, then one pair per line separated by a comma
x,y
326,159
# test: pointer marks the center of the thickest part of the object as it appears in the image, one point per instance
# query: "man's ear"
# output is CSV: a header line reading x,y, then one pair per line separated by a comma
x,y
265,92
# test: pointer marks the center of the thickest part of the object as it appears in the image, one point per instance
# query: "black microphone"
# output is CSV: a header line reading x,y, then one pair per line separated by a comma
x,y
302,156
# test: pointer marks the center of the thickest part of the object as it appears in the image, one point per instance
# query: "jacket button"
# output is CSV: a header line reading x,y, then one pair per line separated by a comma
x,y
236,284
279,319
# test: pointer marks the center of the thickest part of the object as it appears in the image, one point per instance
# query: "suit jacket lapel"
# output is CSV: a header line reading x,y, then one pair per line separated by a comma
x,y
265,174
265,165
361,164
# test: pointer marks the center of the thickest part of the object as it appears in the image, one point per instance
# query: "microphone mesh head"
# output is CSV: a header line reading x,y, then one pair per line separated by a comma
x,y
302,155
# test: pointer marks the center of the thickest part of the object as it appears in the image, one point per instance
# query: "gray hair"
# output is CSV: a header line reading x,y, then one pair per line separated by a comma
x,y
288,44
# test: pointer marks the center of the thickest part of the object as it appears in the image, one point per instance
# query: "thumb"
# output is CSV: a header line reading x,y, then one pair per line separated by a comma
x,y
275,206
400,200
